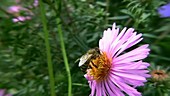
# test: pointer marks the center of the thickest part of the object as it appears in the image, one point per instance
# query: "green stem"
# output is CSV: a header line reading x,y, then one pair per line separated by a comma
x,y
48,51
64,55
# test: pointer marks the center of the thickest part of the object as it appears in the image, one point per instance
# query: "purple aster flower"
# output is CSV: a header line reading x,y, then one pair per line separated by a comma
x,y
2,93
21,18
15,9
116,70
36,2
164,11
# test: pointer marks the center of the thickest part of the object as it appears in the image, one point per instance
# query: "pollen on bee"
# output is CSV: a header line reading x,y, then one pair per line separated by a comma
x,y
100,67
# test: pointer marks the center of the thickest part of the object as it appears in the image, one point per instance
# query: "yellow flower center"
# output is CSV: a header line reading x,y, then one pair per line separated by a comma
x,y
99,67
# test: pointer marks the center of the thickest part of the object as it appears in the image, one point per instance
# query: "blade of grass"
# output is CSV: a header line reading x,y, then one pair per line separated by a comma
x,y
48,50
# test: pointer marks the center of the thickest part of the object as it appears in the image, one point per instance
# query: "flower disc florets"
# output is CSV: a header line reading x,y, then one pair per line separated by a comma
x,y
100,67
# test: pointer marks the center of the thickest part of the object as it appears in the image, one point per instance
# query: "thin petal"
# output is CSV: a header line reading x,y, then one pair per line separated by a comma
x,y
108,38
136,54
127,75
134,39
126,88
92,85
104,92
131,65
116,91
98,89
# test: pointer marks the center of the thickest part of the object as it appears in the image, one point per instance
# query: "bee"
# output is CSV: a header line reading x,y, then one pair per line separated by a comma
x,y
87,58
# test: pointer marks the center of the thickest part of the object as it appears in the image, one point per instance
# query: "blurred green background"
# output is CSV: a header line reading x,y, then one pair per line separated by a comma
x,y
23,66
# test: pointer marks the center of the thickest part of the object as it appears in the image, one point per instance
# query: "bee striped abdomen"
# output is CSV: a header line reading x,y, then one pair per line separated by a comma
x,y
91,65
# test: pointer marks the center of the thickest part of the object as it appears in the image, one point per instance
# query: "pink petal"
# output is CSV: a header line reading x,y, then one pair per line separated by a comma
x,y
114,91
131,65
136,54
104,92
93,88
130,76
108,38
109,89
128,81
126,88
130,42
98,89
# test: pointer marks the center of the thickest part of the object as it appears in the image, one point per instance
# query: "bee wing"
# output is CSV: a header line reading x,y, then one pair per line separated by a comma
x,y
84,58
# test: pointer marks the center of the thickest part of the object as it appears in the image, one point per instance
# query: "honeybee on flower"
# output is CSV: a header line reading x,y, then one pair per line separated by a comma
x,y
110,72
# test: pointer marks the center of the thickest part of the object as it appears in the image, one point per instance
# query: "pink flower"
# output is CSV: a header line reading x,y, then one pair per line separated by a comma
x,y
2,93
21,18
15,9
117,70
36,2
